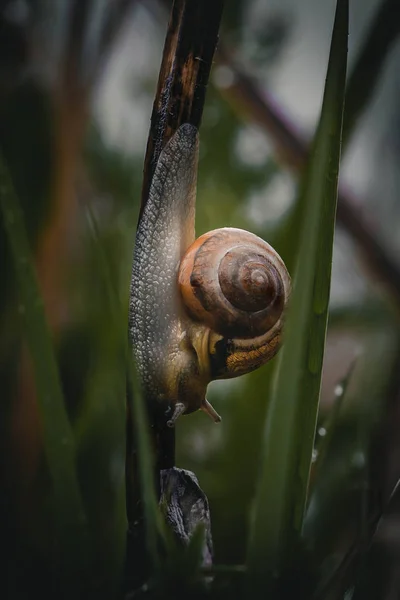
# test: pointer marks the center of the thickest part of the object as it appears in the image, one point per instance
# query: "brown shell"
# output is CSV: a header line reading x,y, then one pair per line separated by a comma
x,y
236,284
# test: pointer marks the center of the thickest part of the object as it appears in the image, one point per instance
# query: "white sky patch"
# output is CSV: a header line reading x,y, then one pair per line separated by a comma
x,y
270,203
252,146
122,106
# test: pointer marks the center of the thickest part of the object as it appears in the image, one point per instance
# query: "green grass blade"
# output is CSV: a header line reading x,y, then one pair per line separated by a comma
x,y
154,523
329,426
155,527
290,426
336,518
58,437
152,514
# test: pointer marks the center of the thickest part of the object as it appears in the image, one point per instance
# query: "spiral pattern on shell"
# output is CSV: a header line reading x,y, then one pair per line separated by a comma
x,y
234,282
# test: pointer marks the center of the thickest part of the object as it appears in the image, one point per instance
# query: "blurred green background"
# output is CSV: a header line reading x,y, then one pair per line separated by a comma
x,y
75,104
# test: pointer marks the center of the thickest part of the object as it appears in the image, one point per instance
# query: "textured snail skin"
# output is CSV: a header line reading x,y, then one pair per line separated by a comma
x,y
164,354
199,310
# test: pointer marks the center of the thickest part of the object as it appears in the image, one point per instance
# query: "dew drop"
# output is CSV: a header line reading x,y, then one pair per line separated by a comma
x,y
339,390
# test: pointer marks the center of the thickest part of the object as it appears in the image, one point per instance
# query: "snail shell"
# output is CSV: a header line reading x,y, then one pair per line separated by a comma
x,y
236,284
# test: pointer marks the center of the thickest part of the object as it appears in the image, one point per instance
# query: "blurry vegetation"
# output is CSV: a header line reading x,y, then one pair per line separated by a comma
x,y
63,381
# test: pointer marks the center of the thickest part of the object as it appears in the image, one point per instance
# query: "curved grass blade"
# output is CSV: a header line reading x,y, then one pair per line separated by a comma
x,y
345,504
152,514
329,426
154,523
291,420
59,443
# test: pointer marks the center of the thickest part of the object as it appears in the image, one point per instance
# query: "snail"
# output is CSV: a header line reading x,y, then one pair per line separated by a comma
x,y
203,309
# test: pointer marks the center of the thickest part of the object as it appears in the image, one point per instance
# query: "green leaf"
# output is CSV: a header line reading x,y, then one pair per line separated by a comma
x,y
59,443
291,420
154,524
338,516
329,426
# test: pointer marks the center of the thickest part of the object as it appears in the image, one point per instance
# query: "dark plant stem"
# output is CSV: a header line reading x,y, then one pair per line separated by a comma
x,y
188,53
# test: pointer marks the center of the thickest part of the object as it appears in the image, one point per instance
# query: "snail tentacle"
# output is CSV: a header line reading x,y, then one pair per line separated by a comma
x,y
210,411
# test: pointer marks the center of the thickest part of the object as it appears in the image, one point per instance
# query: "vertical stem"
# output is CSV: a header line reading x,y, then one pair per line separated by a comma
x,y
189,48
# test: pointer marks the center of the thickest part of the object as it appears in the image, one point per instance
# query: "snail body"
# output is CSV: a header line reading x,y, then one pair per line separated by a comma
x,y
203,309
